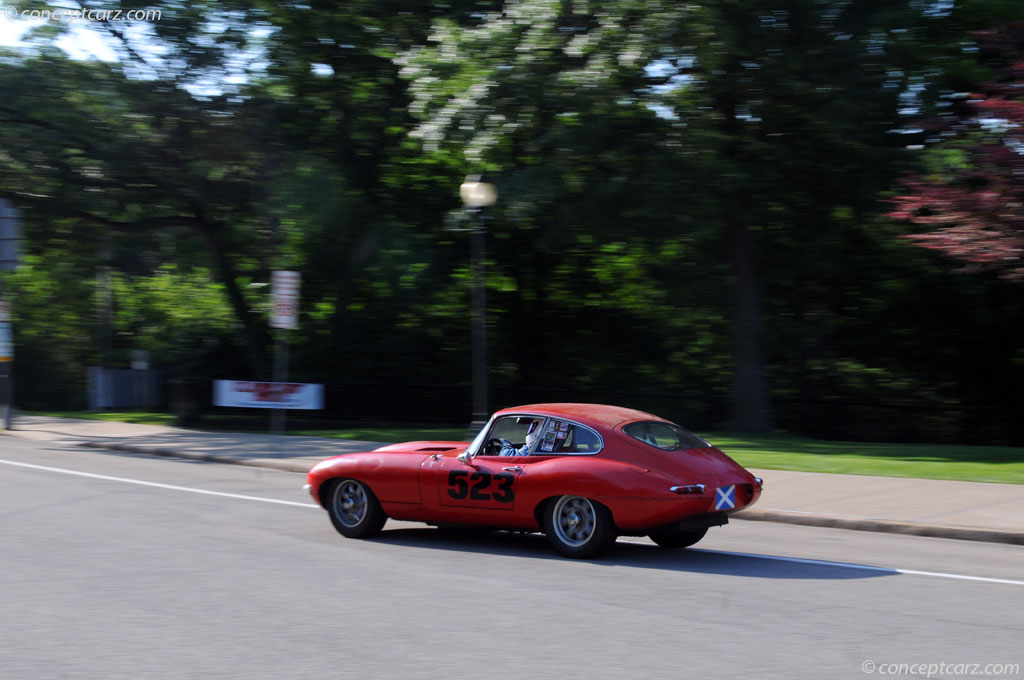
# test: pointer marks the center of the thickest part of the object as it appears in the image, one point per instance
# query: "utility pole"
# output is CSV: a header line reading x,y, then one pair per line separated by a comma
x,y
10,233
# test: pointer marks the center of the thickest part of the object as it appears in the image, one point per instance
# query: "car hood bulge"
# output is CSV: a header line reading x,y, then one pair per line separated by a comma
x,y
423,447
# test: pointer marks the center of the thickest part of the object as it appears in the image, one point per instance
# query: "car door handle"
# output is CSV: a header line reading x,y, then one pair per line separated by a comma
x,y
514,468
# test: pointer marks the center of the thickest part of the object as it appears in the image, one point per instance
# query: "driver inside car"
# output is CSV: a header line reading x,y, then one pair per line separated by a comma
x,y
508,449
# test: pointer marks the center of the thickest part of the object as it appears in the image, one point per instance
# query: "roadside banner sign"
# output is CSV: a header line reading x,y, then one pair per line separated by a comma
x,y
283,395
284,287
6,343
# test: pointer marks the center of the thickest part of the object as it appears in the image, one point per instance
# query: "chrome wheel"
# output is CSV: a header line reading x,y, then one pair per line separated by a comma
x,y
354,510
578,527
575,520
350,502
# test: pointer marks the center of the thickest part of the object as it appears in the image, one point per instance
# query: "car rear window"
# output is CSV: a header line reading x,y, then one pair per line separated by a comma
x,y
665,436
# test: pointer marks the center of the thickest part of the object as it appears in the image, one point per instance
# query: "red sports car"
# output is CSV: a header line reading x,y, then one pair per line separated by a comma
x,y
581,473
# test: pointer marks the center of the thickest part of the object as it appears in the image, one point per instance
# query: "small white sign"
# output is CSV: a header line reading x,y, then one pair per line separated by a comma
x,y
6,344
253,394
284,287
140,360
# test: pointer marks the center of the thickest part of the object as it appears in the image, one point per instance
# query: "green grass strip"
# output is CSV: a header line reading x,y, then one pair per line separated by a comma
x,y
765,451
929,461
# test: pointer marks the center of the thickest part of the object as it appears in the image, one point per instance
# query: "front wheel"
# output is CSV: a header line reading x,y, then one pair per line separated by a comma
x,y
677,539
578,527
354,511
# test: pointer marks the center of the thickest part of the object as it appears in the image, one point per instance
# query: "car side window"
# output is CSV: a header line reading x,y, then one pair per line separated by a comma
x,y
512,429
566,437
585,440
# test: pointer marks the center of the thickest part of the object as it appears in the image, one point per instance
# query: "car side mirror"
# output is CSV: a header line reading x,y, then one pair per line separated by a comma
x,y
465,457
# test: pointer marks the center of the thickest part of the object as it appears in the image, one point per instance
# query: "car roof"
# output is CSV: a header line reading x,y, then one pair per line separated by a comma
x,y
588,414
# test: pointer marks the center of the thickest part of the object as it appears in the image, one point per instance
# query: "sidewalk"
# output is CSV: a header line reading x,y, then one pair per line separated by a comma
x,y
924,507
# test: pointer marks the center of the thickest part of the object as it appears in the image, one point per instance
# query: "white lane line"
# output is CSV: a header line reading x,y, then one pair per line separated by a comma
x,y
776,558
172,487
849,565
866,567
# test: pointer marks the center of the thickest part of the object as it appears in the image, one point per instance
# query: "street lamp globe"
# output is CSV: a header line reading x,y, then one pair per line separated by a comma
x,y
477,194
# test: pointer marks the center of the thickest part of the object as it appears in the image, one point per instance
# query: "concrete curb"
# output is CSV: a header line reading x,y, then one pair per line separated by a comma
x,y
884,526
780,516
283,465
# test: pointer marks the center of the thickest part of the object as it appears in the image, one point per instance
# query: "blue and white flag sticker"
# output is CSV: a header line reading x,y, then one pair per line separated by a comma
x,y
725,498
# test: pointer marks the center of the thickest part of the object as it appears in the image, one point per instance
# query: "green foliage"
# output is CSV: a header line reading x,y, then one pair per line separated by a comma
x,y
177,316
54,334
657,163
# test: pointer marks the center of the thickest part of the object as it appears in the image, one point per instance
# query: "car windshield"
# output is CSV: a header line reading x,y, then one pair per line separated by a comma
x,y
665,436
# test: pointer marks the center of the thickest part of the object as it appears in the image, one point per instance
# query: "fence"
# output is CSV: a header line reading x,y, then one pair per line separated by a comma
x,y
124,388
825,419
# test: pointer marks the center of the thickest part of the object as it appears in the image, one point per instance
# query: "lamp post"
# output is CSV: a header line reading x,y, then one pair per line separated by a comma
x,y
477,195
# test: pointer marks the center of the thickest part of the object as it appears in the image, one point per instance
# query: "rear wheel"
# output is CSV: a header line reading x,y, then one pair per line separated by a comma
x,y
354,510
677,539
578,527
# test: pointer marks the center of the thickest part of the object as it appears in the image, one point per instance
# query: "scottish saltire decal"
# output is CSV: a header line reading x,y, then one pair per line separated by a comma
x,y
725,498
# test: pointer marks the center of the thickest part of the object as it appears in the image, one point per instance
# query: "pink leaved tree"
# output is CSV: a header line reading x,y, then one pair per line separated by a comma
x,y
972,209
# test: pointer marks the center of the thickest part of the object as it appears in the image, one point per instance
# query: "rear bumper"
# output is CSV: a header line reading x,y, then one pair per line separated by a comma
x,y
703,521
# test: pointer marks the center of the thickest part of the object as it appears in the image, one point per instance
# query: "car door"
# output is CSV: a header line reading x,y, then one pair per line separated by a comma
x,y
482,483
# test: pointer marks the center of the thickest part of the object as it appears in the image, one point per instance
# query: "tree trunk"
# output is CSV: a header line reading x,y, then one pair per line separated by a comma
x,y
749,397
751,411
256,335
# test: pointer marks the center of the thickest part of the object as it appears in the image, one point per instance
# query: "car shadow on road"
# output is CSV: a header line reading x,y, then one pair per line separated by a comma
x,y
628,553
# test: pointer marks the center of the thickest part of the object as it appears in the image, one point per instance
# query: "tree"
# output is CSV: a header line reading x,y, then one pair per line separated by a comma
x,y
970,199
770,127
131,163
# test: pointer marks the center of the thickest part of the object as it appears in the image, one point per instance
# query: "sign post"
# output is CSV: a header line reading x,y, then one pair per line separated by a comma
x,y
10,233
284,316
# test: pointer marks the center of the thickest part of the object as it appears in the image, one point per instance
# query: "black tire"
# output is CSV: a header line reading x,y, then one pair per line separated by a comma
x,y
677,539
354,511
578,527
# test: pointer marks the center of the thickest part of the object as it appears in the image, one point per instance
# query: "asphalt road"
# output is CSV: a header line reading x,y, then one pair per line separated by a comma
x,y
109,578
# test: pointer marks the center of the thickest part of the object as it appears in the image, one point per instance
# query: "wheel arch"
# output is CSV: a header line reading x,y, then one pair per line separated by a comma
x,y
540,508
329,483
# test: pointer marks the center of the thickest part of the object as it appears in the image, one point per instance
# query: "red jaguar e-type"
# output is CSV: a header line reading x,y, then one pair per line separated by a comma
x,y
581,473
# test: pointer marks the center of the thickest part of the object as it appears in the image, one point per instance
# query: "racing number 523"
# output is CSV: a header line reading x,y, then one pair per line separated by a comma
x,y
462,484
